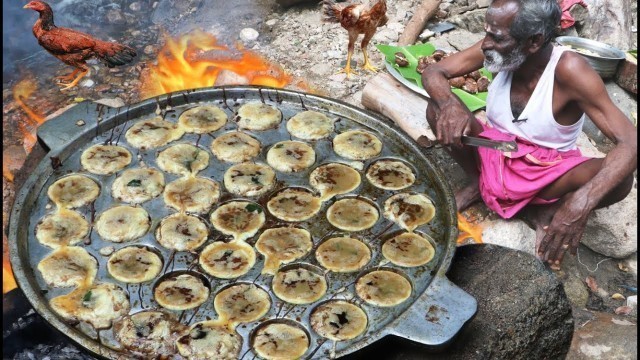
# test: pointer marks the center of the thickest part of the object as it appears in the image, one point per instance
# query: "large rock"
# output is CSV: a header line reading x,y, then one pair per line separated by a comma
x,y
576,291
513,233
523,312
610,22
459,39
472,21
613,231
625,101
604,336
587,146
627,74
631,263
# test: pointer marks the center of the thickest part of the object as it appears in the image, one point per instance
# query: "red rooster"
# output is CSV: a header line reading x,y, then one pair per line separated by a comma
x,y
74,47
362,18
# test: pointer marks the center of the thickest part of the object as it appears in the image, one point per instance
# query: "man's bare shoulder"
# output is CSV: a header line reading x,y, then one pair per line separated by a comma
x,y
573,69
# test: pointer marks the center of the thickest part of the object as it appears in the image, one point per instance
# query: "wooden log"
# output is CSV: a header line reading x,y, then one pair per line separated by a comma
x,y
627,75
414,27
385,95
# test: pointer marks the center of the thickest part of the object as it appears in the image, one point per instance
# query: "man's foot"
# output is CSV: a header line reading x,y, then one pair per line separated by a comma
x,y
467,196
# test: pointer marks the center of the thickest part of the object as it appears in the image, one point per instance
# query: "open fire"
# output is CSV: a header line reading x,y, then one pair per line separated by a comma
x,y
468,230
8,281
190,61
21,92
27,127
198,60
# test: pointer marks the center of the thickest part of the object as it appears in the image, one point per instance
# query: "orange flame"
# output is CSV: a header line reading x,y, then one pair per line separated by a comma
x,y
8,281
196,60
28,127
6,169
468,230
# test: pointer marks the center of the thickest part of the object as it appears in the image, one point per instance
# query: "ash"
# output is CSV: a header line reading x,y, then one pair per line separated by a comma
x,y
52,352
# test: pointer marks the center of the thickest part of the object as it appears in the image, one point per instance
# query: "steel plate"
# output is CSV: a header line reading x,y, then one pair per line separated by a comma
x,y
103,125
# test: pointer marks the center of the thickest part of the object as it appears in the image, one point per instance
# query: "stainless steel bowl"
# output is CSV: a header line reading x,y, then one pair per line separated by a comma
x,y
602,57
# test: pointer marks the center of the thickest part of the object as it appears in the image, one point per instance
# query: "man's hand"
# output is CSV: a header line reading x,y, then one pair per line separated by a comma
x,y
452,122
453,117
565,230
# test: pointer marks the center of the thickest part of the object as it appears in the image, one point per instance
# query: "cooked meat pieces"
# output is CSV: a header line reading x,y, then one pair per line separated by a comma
x,y
475,75
401,60
457,82
483,84
439,55
470,86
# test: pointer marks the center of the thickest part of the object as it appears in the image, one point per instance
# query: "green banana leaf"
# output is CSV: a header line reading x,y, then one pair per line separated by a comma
x,y
633,53
412,53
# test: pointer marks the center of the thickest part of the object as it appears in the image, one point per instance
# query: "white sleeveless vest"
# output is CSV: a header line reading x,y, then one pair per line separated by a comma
x,y
540,126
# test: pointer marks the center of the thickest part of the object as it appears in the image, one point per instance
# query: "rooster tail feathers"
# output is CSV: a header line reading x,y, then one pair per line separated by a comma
x,y
332,11
114,54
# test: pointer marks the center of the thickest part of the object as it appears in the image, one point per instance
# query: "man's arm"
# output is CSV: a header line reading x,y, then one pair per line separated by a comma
x,y
584,86
453,116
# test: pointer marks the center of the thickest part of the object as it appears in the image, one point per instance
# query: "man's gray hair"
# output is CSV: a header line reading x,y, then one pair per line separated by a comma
x,y
536,17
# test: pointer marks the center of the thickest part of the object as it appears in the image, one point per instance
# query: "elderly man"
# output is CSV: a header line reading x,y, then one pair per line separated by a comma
x,y
539,97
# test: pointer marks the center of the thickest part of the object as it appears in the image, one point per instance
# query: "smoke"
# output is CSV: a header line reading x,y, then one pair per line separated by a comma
x,y
18,43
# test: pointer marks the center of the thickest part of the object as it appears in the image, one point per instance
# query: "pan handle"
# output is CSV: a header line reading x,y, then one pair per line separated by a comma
x,y
437,315
59,131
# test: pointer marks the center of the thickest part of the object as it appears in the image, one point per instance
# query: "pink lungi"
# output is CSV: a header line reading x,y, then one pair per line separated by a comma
x,y
510,181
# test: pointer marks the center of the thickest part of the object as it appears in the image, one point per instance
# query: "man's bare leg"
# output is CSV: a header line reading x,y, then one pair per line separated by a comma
x,y
541,215
466,157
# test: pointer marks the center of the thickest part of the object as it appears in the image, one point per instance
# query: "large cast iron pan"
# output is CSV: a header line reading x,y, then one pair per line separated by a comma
x,y
433,314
